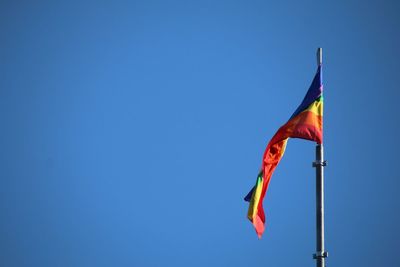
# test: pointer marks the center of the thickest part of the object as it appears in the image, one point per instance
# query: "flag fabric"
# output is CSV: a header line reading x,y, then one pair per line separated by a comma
x,y
305,123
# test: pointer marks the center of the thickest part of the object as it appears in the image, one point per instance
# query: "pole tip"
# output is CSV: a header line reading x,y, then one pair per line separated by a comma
x,y
319,56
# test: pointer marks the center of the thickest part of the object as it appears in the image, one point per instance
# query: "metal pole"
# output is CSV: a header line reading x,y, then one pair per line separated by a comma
x,y
319,164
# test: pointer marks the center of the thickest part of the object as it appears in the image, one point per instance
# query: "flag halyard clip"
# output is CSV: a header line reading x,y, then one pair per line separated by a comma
x,y
320,254
322,163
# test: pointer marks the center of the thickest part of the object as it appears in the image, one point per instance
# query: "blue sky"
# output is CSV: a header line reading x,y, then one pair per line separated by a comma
x,y
132,130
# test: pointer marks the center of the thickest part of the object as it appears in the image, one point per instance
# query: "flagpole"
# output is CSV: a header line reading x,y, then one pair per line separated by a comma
x,y
319,165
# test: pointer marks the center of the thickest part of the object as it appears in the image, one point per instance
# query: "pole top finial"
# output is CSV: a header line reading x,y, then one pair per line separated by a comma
x,y
319,56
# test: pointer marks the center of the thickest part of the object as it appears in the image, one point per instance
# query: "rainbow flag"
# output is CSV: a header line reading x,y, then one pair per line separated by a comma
x,y
305,123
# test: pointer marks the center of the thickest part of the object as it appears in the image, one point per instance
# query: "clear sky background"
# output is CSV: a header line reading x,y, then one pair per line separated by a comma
x,y
132,130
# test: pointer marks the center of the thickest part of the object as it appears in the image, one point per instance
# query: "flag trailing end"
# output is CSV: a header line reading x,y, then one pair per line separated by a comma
x,y
254,197
305,123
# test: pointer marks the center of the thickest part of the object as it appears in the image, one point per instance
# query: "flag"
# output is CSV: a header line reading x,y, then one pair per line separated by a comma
x,y
305,123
